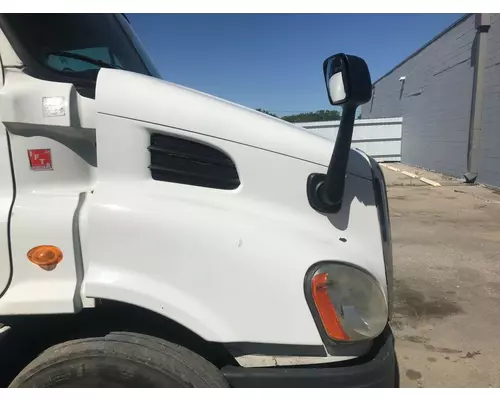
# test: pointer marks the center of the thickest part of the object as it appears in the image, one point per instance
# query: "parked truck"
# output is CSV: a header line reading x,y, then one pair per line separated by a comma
x,y
155,236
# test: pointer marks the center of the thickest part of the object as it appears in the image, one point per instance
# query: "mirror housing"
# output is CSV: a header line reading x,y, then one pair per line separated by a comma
x,y
348,84
347,80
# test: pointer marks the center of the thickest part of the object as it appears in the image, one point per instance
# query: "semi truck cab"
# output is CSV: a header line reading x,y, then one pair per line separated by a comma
x,y
156,236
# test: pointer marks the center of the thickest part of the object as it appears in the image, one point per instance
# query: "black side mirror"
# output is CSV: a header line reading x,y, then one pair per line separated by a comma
x,y
349,85
347,80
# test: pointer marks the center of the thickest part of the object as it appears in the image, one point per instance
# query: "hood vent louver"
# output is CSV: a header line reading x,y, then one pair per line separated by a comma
x,y
191,163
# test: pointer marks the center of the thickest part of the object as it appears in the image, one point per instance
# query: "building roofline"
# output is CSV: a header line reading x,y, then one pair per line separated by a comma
x,y
457,22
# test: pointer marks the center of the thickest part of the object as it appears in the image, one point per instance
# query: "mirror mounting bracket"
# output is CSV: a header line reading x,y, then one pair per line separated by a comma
x,y
315,183
326,191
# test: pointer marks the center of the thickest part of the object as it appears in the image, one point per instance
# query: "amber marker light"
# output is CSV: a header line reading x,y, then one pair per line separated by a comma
x,y
325,308
46,257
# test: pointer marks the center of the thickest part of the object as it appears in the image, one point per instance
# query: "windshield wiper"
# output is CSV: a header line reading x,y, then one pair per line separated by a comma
x,y
85,58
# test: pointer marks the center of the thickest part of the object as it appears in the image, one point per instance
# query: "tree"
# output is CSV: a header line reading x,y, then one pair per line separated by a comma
x,y
267,112
321,115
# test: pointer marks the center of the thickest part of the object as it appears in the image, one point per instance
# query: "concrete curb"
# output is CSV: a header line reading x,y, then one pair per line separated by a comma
x,y
430,182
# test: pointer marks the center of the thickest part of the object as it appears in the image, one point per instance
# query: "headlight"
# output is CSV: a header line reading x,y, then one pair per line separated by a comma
x,y
347,303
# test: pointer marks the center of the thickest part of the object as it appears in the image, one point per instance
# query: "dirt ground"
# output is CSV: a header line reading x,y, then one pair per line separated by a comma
x,y
446,244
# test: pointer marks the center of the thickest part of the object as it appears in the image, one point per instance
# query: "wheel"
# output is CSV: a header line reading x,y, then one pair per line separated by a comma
x,y
117,360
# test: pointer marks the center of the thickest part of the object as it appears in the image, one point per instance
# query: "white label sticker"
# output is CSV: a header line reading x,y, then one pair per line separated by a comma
x,y
53,107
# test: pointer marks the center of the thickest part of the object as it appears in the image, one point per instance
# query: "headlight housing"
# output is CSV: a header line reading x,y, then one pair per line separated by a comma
x,y
347,303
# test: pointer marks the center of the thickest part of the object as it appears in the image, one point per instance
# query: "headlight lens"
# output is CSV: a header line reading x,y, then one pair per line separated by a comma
x,y
349,302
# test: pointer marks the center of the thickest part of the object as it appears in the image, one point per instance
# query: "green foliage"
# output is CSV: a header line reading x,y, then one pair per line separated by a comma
x,y
267,112
321,115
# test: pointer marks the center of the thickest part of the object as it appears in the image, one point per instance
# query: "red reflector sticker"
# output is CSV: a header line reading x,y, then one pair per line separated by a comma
x,y
40,159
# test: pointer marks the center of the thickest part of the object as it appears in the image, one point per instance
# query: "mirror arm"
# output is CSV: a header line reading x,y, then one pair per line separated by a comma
x,y
325,192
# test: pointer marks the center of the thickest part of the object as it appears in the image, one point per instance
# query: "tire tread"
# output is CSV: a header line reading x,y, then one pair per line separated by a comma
x,y
178,363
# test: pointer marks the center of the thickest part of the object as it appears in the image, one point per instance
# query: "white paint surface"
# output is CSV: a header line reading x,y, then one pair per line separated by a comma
x,y
46,201
228,265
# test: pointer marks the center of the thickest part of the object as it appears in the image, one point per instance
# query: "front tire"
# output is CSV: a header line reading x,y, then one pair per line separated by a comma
x,y
119,360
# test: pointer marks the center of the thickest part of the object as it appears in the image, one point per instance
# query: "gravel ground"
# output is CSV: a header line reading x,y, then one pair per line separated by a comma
x,y
446,243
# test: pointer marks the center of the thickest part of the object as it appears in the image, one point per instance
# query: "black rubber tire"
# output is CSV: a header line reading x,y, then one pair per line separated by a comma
x,y
119,360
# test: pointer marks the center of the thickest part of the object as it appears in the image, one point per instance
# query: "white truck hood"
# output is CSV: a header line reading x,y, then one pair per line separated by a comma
x,y
130,95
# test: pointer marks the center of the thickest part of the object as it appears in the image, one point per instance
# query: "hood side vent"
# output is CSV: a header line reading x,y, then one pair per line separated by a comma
x,y
191,163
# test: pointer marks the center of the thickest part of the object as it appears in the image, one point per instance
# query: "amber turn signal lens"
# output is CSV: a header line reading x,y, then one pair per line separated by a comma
x,y
325,308
46,257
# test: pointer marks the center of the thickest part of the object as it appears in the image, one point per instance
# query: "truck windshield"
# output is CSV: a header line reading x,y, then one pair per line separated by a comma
x,y
73,47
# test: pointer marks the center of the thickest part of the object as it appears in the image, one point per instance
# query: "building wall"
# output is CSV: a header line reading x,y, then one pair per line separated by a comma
x,y
434,101
489,165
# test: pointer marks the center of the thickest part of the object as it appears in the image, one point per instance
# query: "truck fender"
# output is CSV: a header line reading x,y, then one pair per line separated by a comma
x,y
143,291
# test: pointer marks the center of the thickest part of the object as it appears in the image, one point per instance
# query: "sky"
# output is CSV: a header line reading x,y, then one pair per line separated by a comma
x,y
274,61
